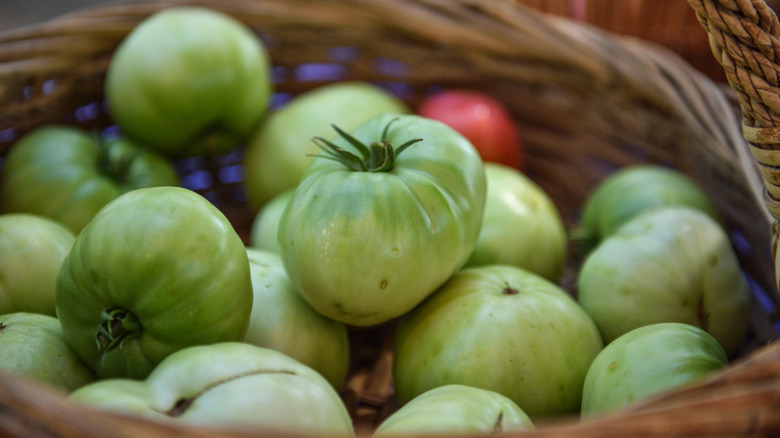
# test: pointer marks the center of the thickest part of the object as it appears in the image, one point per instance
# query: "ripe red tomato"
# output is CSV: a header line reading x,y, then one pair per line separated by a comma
x,y
483,120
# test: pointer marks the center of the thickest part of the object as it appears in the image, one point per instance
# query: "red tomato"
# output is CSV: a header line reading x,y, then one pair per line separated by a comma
x,y
481,119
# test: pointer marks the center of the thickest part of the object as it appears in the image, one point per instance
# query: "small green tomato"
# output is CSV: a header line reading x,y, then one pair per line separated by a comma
x,y
32,249
647,361
32,346
456,410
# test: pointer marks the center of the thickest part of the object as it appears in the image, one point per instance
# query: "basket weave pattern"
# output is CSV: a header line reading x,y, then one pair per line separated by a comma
x,y
588,101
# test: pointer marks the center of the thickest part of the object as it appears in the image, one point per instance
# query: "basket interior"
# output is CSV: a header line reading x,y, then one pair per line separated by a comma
x,y
587,101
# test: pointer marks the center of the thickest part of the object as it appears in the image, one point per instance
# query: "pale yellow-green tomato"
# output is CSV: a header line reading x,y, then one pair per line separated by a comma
x,y
32,347
265,226
285,322
500,328
230,384
647,361
32,249
456,410
522,225
669,264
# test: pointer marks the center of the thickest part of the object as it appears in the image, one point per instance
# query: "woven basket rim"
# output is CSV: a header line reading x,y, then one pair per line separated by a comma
x,y
634,71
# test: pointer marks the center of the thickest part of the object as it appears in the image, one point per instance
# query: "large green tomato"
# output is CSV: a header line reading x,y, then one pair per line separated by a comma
x,y
280,150
189,81
283,321
31,346
670,264
522,226
32,249
500,328
455,410
632,190
66,174
230,384
156,270
366,241
647,361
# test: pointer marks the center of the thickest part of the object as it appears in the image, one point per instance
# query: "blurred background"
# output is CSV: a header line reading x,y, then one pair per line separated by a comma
x,y
15,13
671,23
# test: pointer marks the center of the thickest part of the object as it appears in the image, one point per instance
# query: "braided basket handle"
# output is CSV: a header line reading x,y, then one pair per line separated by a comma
x,y
744,39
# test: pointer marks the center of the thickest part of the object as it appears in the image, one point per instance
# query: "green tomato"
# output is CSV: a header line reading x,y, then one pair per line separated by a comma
x,y
228,384
365,246
156,270
283,321
31,346
500,328
265,226
32,249
522,226
280,150
632,190
671,264
189,81
456,410
66,174
647,361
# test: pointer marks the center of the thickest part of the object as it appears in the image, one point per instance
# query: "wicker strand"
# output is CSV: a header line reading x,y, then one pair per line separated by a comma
x,y
744,39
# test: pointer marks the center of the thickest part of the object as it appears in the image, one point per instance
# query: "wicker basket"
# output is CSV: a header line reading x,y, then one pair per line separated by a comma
x,y
588,102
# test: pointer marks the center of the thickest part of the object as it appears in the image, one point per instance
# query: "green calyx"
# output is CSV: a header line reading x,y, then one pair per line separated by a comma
x,y
380,156
118,326
115,159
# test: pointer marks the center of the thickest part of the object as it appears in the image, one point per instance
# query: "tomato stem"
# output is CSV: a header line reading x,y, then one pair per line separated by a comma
x,y
380,156
118,326
509,290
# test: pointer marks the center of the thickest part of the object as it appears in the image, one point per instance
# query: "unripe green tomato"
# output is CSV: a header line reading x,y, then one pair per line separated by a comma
x,y
647,361
228,385
189,81
155,271
500,328
32,346
265,226
670,264
283,321
32,249
67,174
522,226
364,246
280,149
632,190
455,410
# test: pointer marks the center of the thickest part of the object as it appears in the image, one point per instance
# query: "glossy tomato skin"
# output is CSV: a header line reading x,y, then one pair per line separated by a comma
x,y
365,247
189,81
66,174
281,148
228,384
480,118
32,346
156,270
32,249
